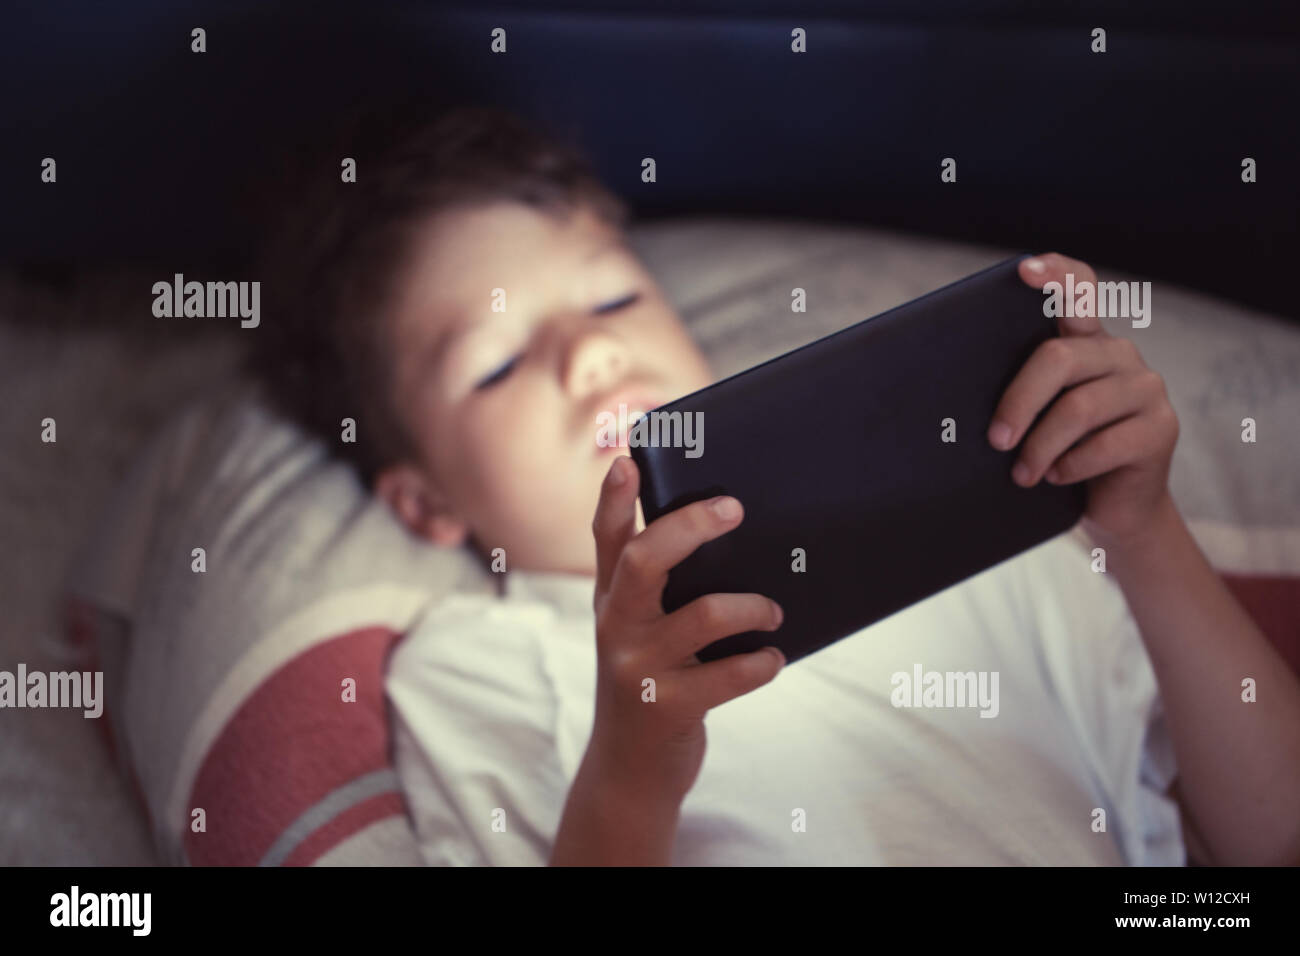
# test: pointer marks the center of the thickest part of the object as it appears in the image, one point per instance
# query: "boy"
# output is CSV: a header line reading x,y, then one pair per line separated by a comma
x,y
471,303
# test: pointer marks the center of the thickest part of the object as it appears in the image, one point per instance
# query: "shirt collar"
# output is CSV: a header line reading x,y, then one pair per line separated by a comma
x,y
571,594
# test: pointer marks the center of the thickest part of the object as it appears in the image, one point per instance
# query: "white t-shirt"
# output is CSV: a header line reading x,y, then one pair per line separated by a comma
x,y
493,701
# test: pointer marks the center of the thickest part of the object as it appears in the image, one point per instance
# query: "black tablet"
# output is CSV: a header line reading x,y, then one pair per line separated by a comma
x,y
863,465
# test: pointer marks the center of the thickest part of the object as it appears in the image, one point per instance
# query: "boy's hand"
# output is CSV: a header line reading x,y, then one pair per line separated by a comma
x,y
655,748
1113,425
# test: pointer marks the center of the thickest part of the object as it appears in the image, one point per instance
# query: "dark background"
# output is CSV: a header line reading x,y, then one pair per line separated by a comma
x,y
1130,159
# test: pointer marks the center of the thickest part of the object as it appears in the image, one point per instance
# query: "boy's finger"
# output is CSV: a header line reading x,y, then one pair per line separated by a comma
x,y
1054,267
1124,443
705,686
1038,270
615,521
1075,414
643,567
1054,365
712,617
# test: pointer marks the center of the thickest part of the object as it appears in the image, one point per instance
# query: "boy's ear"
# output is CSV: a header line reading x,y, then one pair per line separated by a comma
x,y
420,505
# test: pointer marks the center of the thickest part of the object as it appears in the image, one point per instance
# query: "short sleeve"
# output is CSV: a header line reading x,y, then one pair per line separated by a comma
x,y
474,734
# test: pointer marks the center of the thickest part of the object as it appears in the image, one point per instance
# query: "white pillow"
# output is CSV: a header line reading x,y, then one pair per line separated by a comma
x,y
222,666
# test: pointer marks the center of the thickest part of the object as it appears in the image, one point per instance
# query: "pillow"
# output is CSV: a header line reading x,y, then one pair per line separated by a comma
x,y
262,652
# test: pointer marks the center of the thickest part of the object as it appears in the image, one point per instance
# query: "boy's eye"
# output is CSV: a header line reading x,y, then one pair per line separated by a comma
x,y
492,379
616,304
604,308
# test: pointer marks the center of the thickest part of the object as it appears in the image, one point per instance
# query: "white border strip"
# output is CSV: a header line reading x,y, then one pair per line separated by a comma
x,y
1248,549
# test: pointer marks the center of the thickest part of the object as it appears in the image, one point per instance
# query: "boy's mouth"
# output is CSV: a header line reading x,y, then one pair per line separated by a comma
x,y
623,409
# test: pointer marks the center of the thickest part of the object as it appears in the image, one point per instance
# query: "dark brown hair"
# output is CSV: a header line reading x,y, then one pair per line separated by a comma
x,y
337,254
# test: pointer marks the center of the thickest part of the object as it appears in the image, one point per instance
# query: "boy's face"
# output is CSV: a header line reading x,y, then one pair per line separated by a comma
x,y
504,404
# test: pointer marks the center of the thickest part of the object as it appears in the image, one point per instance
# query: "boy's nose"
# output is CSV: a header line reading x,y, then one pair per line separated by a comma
x,y
597,361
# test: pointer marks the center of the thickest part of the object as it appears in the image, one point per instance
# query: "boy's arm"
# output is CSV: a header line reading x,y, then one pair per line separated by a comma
x,y
647,741
606,825
1110,424
1238,762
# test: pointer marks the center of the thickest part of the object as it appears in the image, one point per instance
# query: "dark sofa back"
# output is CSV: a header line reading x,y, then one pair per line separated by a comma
x,y
1129,158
